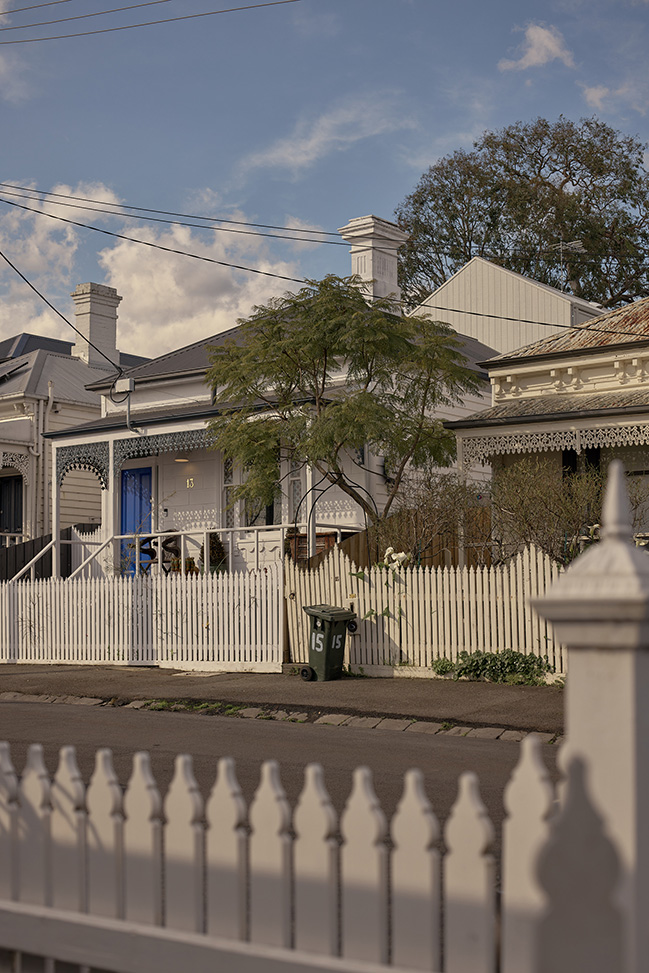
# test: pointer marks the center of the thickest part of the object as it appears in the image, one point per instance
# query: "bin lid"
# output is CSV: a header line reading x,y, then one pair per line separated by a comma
x,y
330,613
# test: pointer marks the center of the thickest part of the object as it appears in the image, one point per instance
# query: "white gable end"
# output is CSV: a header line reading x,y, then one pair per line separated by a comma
x,y
503,309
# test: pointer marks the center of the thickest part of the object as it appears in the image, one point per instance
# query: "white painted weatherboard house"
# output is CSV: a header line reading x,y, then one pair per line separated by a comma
x,y
572,397
503,309
150,447
43,388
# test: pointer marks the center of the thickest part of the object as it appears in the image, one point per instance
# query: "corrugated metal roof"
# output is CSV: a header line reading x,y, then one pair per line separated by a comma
x,y
626,325
544,407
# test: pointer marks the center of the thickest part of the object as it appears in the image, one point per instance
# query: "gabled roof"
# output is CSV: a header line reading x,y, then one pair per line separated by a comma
x,y
194,359
31,374
579,302
189,360
22,344
623,326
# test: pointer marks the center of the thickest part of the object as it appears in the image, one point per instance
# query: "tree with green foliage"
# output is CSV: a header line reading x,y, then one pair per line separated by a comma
x,y
317,377
564,203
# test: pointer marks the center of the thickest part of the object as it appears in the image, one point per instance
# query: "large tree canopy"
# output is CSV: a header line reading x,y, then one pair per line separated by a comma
x,y
319,376
564,203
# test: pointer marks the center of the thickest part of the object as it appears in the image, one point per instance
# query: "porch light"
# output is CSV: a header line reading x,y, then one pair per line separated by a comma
x,y
181,458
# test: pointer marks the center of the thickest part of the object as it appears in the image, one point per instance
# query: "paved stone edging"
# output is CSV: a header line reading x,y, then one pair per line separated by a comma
x,y
328,719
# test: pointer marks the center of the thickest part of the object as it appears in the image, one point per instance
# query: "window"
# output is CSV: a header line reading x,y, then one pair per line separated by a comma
x,y
295,491
11,504
229,504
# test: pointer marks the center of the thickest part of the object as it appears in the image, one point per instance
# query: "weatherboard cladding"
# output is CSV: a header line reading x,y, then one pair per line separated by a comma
x,y
624,326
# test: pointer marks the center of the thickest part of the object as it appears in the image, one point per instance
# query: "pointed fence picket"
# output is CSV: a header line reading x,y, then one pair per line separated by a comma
x,y
212,621
351,887
410,616
297,874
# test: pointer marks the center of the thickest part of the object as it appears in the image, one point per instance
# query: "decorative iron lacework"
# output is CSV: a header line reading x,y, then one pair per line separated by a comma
x,y
19,461
84,456
479,449
168,442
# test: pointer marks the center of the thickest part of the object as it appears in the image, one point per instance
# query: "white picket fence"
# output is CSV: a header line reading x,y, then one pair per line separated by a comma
x,y
219,621
410,616
287,878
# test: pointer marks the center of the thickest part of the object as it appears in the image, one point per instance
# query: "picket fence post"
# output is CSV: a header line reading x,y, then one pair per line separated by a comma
x,y
599,609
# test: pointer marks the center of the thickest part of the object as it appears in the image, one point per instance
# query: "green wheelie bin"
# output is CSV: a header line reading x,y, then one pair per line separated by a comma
x,y
329,626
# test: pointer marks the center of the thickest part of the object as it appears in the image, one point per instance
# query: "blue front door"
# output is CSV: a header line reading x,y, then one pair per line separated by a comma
x,y
135,511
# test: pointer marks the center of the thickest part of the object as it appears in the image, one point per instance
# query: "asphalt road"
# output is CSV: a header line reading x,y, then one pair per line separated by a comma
x,y
340,750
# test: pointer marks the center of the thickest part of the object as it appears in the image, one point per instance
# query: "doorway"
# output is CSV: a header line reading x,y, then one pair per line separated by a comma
x,y
135,516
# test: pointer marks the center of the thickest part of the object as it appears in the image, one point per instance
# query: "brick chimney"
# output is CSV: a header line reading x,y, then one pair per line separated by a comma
x,y
374,245
96,319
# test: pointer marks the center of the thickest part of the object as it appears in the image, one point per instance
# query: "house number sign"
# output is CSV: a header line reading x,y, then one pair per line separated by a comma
x,y
317,641
190,482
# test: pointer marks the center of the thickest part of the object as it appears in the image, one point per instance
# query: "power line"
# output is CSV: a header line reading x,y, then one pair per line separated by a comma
x,y
56,311
157,246
169,222
34,6
162,212
98,13
99,206
150,23
299,280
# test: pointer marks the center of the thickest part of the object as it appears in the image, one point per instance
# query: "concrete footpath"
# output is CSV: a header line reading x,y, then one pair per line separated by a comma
x,y
420,705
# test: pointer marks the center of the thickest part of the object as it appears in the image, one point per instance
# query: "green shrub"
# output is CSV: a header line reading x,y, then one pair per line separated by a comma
x,y
441,666
507,666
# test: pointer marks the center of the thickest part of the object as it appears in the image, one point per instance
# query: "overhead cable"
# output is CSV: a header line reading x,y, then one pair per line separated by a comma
x,y
34,6
162,212
170,222
119,208
302,280
97,13
156,246
56,311
151,23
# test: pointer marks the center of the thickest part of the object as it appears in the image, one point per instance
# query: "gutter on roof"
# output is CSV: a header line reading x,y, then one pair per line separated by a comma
x,y
100,386
136,420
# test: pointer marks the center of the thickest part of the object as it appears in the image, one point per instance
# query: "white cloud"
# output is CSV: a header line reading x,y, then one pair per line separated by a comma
x,y
13,86
595,95
632,94
334,131
45,251
541,46
170,300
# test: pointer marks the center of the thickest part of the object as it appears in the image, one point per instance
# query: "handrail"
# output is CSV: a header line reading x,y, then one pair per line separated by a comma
x,y
282,528
90,557
33,561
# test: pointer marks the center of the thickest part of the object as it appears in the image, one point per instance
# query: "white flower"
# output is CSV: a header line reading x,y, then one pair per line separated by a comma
x,y
400,558
386,556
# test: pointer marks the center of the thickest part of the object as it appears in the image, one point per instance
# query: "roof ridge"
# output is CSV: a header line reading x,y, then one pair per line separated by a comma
x,y
178,351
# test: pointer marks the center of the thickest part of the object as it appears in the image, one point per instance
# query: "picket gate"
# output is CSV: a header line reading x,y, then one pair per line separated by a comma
x,y
215,621
410,616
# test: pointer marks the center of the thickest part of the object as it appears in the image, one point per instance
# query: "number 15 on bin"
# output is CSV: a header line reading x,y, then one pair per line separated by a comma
x,y
317,641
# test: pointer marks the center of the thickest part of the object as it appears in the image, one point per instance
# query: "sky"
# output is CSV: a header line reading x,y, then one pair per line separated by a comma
x,y
298,115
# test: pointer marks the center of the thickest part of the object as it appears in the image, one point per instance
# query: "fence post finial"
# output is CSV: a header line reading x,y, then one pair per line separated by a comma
x,y
599,609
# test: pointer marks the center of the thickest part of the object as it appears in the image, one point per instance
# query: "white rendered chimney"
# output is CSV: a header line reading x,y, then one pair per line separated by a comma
x,y
374,246
96,319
